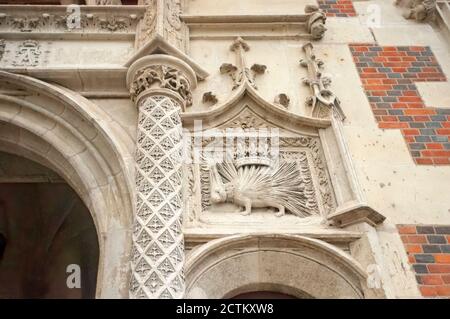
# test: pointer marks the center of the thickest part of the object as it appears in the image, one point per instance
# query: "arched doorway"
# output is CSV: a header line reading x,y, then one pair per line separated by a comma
x,y
75,138
49,244
284,265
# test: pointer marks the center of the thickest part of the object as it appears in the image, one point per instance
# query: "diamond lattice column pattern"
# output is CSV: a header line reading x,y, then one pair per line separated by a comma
x,y
161,89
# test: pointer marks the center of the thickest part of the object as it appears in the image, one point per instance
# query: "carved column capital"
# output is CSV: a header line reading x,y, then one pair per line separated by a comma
x,y
161,74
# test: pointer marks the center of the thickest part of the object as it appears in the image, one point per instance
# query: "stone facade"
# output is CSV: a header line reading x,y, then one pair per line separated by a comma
x,y
278,146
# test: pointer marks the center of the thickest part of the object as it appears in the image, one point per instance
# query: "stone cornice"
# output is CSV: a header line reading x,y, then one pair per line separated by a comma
x,y
18,21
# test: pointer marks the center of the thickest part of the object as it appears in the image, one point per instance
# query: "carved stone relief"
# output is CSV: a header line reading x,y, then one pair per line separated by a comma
x,y
163,18
253,178
420,10
28,54
62,21
316,22
323,101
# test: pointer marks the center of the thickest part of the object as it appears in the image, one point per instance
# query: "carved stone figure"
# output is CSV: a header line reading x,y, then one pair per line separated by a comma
x,y
282,99
279,185
420,10
166,77
28,54
316,22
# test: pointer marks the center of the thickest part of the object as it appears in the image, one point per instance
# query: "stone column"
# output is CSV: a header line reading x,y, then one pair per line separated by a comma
x,y
160,86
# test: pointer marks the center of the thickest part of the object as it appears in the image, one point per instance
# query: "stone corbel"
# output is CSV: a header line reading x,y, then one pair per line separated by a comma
x,y
419,10
322,101
316,22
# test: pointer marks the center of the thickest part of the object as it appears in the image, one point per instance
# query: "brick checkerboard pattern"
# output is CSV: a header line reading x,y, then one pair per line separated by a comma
x,y
388,75
428,249
337,8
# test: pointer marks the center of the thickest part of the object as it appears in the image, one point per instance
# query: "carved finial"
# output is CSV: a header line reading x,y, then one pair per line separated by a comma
x,y
323,100
240,73
209,97
282,99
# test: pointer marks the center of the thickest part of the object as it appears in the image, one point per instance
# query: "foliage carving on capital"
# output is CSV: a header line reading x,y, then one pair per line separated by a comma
x,y
163,77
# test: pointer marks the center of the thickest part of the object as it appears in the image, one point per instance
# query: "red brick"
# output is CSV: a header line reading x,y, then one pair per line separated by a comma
x,y
411,132
421,118
443,291
439,268
443,131
419,112
441,161
393,125
391,53
417,239
446,279
414,249
378,87
436,153
424,161
442,258
431,280
411,99
428,291
389,118
434,146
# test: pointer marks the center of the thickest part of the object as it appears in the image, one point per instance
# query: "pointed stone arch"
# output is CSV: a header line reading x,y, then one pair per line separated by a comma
x,y
67,133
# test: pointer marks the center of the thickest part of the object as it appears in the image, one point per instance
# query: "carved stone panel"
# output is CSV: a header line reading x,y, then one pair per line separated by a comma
x,y
282,175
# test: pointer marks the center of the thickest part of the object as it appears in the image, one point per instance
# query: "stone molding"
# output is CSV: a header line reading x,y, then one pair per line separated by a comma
x,y
59,21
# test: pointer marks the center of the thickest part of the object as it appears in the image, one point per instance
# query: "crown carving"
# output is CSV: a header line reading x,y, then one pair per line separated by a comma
x,y
252,151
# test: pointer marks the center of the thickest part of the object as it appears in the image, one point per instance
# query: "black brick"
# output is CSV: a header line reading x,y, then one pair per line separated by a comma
x,y
425,229
424,258
436,239
445,248
417,146
431,249
443,230
420,125
420,269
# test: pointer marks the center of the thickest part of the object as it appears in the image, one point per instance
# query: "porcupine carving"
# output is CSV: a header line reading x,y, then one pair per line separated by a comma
x,y
279,186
